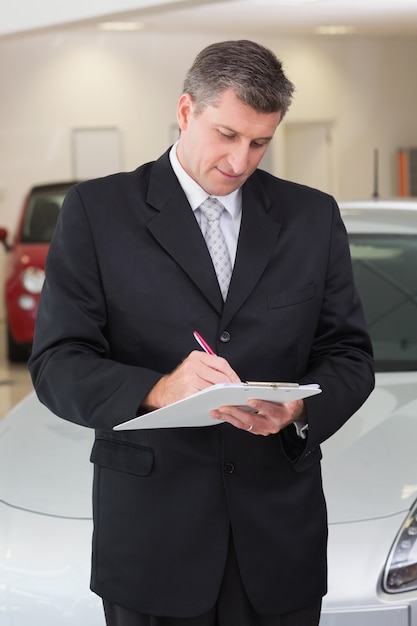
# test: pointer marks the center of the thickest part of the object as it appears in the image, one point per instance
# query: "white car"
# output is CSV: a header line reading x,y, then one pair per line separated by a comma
x,y
369,468
370,465
45,520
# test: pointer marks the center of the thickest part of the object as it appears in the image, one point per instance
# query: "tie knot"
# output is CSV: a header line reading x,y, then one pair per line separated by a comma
x,y
211,209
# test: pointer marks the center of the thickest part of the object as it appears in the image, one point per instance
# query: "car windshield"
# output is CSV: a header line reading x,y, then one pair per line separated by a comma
x,y
41,214
385,268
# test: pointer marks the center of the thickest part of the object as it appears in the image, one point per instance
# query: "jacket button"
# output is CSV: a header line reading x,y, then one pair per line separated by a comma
x,y
229,467
225,337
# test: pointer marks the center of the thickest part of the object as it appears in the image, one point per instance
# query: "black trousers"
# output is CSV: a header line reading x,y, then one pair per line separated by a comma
x,y
233,608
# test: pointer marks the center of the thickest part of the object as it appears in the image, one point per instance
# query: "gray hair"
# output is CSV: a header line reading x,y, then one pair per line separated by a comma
x,y
250,70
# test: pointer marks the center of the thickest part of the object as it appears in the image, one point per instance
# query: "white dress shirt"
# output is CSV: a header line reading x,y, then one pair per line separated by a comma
x,y
229,219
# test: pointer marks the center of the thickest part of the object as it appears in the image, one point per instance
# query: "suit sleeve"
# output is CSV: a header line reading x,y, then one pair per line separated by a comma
x,y
71,365
341,358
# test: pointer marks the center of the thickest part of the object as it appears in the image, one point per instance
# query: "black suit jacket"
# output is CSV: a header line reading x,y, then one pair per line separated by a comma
x,y
128,279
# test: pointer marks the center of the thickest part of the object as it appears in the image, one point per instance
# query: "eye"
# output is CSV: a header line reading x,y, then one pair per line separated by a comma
x,y
226,135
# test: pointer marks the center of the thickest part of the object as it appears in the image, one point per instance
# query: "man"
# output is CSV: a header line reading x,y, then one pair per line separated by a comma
x,y
222,525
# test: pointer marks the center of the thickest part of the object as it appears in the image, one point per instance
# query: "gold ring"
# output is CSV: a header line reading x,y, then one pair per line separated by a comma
x,y
250,428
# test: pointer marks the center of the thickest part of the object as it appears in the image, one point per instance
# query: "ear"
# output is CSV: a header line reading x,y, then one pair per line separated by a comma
x,y
184,110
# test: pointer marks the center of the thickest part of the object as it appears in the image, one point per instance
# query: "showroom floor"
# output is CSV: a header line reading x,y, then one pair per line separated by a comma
x,y
15,381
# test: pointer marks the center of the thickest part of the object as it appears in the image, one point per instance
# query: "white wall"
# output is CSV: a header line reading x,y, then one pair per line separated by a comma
x,y
53,82
369,89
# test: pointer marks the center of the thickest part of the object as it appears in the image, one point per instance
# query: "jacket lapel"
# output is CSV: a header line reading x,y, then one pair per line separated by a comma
x,y
257,239
177,231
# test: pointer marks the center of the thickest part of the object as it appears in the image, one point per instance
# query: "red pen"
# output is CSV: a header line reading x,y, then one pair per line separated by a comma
x,y
203,343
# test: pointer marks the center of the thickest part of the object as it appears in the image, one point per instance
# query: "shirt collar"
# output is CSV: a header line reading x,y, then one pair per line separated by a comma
x,y
232,202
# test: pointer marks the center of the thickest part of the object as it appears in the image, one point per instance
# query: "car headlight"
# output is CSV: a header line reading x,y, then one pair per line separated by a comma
x,y
401,569
33,279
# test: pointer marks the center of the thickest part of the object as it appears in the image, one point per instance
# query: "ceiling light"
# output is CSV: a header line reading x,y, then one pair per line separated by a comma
x,y
334,30
121,26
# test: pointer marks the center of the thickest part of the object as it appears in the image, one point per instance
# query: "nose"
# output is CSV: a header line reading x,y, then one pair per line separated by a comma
x,y
238,158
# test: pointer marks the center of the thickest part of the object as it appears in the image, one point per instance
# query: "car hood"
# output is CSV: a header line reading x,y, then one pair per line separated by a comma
x,y
370,464
46,461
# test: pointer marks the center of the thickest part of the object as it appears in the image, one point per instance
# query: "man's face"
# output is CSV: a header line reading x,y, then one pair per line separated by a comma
x,y
221,146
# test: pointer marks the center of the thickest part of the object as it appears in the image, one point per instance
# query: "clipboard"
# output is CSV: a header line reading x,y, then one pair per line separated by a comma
x,y
195,409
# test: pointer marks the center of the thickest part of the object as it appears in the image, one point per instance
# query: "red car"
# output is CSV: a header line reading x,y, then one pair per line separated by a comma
x,y
25,261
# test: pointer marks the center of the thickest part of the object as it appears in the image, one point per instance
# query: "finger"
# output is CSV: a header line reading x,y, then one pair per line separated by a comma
x,y
265,407
242,419
212,368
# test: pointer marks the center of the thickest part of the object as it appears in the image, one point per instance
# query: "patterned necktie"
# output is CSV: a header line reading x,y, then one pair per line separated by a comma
x,y
216,243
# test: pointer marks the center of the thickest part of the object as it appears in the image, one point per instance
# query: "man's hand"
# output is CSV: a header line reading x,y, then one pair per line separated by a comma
x,y
198,371
265,418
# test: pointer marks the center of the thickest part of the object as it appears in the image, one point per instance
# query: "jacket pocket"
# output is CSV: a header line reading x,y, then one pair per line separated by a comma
x,y
293,447
312,457
291,297
123,457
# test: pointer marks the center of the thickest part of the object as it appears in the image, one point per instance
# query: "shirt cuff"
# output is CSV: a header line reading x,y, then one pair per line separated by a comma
x,y
301,429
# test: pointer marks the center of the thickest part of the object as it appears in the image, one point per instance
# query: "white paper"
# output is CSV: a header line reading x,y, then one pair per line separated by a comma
x,y
195,410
